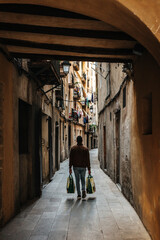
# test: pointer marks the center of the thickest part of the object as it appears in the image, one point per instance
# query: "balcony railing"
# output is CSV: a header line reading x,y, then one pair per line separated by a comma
x,y
76,93
75,115
47,72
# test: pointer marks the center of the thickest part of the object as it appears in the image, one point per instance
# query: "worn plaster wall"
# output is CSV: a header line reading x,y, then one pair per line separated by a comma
x,y
63,139
6,140
20,178
47,160
109,151
145,154
23,161
102,84
45,152
56,120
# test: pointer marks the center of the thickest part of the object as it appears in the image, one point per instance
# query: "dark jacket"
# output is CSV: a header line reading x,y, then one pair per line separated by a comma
x,y
79,157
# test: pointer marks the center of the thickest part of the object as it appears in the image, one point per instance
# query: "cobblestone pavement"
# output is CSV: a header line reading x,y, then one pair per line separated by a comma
x,y
57,215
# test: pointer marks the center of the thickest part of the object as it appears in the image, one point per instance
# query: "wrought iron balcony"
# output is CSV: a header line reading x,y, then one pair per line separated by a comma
x,y
76,94
46,71
59,95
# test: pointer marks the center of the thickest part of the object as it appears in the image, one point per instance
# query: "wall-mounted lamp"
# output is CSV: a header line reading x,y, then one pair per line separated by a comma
x,y
66,65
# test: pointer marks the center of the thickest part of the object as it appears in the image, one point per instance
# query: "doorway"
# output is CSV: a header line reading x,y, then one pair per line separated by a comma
x,y
94,143
24,150
50,147
104,146
69,137
45,149
56,145
117,149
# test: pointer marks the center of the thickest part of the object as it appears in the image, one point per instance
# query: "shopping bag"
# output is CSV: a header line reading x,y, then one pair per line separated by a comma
x,y
90,185
70,184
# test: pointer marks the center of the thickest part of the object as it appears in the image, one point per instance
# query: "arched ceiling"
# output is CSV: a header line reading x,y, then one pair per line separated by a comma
x,y
97,30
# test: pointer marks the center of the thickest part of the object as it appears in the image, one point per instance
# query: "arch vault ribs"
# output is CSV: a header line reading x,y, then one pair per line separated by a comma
x,y
30,30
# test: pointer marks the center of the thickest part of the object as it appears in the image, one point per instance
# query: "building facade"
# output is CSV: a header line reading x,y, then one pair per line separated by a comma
x,y
115,99
43,110
127,131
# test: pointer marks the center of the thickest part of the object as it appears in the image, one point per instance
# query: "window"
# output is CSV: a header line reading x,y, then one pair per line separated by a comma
x,y
88,83
124,97
100,68
63,131
24,117
147,114
110,116
108,79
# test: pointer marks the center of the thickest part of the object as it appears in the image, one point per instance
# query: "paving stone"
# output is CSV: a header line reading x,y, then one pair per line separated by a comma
x,y
43,227
57,215
39,237
48,215
58,235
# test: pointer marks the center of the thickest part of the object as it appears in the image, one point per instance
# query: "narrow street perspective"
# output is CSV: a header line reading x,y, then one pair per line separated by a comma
x,y
79,70
58,216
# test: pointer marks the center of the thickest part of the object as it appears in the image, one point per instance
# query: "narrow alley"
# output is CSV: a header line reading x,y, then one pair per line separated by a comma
x,y
58,215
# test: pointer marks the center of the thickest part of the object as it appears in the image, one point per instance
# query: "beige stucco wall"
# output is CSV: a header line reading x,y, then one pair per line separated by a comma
x,y
6,144
107,124
17,170
139,153
45,151
145,149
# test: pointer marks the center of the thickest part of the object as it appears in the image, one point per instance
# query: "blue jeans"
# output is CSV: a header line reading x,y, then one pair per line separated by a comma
x,y
79,174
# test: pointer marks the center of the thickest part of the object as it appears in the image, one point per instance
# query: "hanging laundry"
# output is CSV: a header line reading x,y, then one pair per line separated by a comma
x,y
87,119
92,100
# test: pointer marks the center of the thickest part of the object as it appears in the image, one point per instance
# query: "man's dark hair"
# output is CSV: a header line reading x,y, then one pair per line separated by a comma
x,y
79,139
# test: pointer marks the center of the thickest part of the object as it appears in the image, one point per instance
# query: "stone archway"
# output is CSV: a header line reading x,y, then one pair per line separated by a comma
x,y
141,20
131,18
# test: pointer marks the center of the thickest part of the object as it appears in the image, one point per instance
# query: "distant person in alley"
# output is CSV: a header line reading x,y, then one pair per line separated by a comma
x,y
80,160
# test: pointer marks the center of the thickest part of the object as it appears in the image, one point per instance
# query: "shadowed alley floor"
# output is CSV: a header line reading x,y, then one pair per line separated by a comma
x,y
57,215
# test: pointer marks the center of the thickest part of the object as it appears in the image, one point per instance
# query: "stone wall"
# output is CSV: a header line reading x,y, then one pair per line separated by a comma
x,y
6,140
116,151
19,173
145,146
139,141
1,144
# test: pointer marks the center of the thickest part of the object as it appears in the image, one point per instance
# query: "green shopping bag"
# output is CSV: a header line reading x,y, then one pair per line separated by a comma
x,y
70,184
90,185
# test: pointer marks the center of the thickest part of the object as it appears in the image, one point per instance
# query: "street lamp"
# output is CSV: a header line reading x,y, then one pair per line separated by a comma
x,y
66,65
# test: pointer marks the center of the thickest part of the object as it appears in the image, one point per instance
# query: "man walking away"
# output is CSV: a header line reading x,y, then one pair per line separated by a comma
x,y
80,160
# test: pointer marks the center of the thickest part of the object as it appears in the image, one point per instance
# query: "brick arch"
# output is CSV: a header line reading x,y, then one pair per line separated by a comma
x,y
141,20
